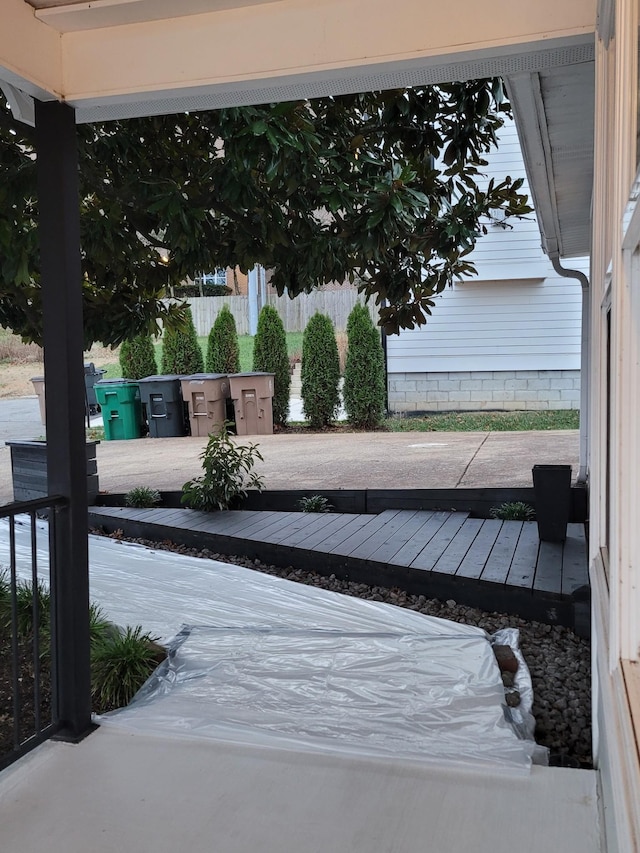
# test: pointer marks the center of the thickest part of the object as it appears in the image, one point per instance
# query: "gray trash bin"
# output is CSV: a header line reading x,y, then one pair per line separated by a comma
x,y
162,401
91,376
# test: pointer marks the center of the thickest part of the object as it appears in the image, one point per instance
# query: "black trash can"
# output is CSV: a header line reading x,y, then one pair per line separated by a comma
x,y
162,401
91,376
552,490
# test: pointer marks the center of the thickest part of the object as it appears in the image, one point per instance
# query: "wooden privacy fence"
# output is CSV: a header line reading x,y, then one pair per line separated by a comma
x,y
295,313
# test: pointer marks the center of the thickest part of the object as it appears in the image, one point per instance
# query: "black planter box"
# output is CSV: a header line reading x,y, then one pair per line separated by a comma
x,y
29,469
552,490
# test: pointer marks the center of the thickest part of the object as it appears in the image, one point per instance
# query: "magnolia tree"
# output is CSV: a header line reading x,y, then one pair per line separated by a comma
x,y
384,189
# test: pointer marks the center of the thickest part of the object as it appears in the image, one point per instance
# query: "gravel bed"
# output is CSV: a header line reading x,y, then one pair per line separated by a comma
x,y
559,661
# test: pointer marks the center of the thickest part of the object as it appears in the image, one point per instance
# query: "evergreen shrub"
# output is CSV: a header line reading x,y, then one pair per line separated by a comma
x,y
181,353
223,352
138,358
320,371
270,356
364,376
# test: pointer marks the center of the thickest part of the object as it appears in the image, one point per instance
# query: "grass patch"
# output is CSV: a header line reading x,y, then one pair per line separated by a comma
x,y
487,421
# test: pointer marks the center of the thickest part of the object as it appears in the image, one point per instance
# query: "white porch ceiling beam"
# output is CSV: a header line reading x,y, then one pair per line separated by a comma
x,y
351,44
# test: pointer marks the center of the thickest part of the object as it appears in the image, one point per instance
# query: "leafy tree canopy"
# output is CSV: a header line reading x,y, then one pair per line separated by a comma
x,y
381,188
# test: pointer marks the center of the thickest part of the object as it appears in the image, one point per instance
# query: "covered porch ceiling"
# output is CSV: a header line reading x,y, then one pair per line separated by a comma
x,y
117,59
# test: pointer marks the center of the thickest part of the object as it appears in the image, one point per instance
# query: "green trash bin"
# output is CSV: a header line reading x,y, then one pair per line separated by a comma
x,y
119,400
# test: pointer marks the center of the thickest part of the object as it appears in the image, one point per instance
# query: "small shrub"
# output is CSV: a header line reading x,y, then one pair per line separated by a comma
x,y
513,511
364,376
100,628
320,372
120,664
137,358
181,353
315,503
25,612
228,474
142,497
270,356
223,351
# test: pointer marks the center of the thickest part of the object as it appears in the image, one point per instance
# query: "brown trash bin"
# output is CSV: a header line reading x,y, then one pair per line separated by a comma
x,y
38,387
206,395
252,395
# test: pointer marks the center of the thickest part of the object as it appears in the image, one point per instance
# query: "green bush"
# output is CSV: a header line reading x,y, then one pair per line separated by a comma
x,y
270,356
320,371
121,661
315,503
137,358
228,474
364,375
142,497
24,612
181,353
120,664
513,511
223,352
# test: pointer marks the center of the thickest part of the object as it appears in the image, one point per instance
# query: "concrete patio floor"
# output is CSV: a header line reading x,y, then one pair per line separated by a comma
x,y
124,793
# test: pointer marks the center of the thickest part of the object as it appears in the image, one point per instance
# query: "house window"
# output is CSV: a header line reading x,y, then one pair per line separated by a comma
x,y
217,277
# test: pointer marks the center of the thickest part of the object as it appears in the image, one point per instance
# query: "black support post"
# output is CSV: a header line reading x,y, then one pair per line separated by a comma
x,y
61,276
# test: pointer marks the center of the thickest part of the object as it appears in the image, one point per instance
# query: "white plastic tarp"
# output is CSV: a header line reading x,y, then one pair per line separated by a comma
x,y
261,660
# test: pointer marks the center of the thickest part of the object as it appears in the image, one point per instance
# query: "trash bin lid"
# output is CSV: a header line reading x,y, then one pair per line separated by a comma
x,y
165,377
116,382
252,373
200,377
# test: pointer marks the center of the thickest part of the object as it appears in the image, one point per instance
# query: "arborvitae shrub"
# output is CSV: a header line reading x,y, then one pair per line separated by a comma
x,y
138,358
270,355
320,371
223,352
181,353
364,380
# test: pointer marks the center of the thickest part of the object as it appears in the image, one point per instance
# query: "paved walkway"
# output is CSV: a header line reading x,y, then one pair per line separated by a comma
x,y
326,460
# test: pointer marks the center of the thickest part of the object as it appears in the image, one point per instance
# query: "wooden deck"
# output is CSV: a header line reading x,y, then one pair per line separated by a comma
x,y
495,565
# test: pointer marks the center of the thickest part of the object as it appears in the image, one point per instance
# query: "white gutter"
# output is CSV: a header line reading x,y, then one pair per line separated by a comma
x,y
583,473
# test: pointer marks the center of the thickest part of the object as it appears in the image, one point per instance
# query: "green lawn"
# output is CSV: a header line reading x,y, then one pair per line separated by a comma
x,y
245,343
486,421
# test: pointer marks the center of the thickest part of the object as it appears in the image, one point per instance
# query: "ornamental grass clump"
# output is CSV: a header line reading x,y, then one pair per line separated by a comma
x,y
142,497
137,358
513,511
223,350
120,665
121,660
228,474
181,353
320,372
315,503
270,356
364,375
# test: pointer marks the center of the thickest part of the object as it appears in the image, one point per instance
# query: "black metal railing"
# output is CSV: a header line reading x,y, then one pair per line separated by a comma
x,y
28,666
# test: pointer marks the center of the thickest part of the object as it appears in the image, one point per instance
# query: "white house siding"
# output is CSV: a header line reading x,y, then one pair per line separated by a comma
x,y
506,339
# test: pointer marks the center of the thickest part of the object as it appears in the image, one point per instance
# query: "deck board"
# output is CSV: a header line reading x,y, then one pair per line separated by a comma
x,y
497,567
575,571
434,549
411,526
474,561
383,535
548,569
525,558
486,562
457,549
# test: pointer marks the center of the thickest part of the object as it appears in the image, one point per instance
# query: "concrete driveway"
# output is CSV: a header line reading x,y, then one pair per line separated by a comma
x,y
327,460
